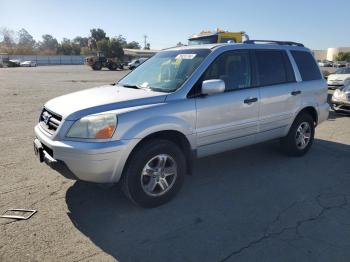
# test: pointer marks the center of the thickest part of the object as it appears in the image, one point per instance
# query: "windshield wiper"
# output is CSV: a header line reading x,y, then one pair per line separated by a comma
x,y
164,90
132,86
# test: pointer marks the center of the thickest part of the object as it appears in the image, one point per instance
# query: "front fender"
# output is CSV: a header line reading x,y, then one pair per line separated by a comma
x,y
152,125
175,115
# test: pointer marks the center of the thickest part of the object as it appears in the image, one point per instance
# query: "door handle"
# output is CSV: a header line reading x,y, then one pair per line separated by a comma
x,y
250,100
295,93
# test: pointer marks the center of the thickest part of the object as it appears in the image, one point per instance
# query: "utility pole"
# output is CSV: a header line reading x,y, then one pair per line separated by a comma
x,y
145,41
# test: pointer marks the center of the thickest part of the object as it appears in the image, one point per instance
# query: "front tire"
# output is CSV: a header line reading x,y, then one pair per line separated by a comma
x,y
154,173
300,136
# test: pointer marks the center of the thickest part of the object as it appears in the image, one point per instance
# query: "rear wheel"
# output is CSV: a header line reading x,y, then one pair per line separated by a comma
x,y
97,66
300,136
154,173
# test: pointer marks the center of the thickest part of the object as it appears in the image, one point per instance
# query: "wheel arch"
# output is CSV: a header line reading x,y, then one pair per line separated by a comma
x,y
311,111
174,136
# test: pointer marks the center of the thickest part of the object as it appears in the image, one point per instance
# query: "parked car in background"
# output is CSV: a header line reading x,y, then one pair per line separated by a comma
x,y
340,101
28,64
325,63
183,103
136,62
341,77
13,63
340,64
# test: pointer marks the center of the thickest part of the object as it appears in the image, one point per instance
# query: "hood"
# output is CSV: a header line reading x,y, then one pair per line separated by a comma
x,y
99,99
340,77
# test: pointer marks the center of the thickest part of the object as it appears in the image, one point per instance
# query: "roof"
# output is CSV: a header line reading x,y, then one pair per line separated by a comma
x,y
248,45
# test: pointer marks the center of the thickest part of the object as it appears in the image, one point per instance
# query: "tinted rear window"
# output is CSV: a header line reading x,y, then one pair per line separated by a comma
x,y
273,67
307,66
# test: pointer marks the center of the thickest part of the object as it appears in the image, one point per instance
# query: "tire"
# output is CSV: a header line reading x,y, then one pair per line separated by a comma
x,y
138,179
113,67
292,143
97,66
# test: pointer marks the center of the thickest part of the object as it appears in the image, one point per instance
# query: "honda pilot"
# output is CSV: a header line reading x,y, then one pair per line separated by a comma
x,y
183,103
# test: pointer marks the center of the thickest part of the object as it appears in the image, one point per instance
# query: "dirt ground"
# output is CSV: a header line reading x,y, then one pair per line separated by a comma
x,y
253,204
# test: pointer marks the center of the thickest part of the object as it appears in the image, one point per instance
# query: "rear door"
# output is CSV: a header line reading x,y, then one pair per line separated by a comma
x,y
276,80
228,120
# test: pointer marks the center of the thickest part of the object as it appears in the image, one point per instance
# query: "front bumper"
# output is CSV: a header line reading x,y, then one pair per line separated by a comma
x,y
334,84
100,162
340,104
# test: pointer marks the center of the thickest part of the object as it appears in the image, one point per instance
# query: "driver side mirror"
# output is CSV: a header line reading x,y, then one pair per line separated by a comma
x,y
213,86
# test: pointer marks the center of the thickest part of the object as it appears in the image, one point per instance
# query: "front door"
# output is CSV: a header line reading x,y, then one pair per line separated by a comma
x,y
228,120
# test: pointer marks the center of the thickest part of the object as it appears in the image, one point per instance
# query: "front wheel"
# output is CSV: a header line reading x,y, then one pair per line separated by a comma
x,y
300,136
154,173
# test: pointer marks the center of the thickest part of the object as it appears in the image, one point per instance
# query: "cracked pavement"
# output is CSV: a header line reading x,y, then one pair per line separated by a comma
x,y
251,204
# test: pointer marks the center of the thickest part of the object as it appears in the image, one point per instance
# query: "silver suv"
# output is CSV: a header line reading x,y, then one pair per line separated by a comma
x,y
181,104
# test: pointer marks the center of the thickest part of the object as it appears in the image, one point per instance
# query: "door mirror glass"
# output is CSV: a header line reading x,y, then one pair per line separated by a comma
x,y
213,86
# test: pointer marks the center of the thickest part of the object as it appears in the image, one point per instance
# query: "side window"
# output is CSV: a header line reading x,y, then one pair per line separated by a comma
x,y
307,66
272,67
233,68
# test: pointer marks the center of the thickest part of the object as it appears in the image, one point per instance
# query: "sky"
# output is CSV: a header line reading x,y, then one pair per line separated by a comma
x,y
316,23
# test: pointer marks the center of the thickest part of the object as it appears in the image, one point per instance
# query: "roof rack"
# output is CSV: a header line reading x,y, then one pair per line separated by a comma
x,y
273,42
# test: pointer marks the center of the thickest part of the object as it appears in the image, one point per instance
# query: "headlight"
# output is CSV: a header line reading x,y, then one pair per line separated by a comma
x,y
94,127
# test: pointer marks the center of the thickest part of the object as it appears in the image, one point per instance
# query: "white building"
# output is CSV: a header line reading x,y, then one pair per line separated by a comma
x,y
329,53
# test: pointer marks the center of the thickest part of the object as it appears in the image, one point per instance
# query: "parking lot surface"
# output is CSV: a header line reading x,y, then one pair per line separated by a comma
x,y
251,204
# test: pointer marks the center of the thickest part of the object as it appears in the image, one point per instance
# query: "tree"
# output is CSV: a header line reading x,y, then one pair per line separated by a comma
x,y
121,39
148,46
7,38
103,46
133,45
65,47
48,45
26,43
343,56
81,41
25,39
115,49
98,34
110,48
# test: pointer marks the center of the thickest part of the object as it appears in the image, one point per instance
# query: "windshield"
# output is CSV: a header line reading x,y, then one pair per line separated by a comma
x,y
166,71
343,71
211,39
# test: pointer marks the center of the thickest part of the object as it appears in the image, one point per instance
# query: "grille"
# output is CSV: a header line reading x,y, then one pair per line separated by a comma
x,y
50,121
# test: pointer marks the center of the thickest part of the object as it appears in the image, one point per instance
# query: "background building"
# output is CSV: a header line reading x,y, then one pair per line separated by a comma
x,y
329,53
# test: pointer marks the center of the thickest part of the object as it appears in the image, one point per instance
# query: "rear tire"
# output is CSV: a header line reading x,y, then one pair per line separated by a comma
x,y
148,167
300,136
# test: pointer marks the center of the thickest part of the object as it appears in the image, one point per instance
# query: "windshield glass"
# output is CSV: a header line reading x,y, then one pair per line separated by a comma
x,y
343,70
166,71
211,39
